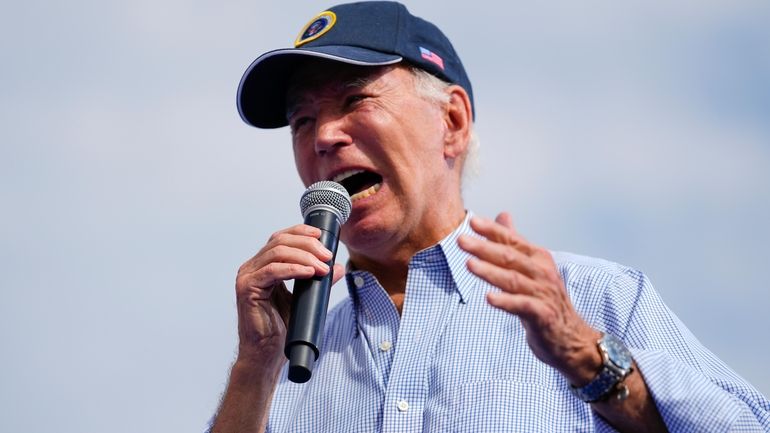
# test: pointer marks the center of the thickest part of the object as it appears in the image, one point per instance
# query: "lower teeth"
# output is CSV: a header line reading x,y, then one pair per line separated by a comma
x,y
366,193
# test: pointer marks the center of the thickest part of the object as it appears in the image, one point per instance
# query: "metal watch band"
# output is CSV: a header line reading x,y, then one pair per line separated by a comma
x,y
616,366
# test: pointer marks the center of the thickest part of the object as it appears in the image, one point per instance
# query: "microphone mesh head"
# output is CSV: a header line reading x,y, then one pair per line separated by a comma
x,y
326,195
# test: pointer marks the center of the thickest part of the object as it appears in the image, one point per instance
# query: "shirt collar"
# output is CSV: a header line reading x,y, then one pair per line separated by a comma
x,y
455,257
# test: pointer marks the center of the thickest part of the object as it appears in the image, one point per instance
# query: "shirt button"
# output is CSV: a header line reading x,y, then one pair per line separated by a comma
x,y
358,281
402,405
385,345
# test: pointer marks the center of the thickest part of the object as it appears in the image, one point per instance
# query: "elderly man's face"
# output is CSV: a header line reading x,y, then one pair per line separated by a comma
x,y
368,129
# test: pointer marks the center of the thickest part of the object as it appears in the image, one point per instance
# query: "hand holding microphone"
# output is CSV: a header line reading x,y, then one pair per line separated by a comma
x,y
325,205
300,252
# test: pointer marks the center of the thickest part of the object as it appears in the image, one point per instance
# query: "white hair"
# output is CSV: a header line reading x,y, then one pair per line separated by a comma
x,y
433,89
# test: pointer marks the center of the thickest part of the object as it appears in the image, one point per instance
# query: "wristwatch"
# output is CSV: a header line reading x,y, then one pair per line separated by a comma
x,y
616,366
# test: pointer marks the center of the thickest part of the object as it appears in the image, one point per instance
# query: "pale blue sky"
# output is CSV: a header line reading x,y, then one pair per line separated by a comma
x,y
131,191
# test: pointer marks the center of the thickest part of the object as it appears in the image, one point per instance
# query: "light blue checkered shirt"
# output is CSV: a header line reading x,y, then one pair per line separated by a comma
x,y
452,363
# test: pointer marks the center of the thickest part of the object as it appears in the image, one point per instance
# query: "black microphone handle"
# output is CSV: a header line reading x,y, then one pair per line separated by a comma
x,y
309,303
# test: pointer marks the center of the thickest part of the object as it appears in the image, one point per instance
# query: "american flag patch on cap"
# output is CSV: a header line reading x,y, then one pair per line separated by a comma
x,y
432,57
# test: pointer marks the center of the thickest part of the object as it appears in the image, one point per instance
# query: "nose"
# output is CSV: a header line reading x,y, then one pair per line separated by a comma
x,y
330,133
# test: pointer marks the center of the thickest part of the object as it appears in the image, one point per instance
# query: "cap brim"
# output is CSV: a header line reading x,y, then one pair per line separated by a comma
x,y
262,92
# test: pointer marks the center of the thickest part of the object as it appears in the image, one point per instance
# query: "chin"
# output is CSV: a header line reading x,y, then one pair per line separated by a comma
x,y
365,232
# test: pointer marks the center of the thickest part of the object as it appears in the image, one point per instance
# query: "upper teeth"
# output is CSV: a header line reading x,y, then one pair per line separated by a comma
x,y
346,174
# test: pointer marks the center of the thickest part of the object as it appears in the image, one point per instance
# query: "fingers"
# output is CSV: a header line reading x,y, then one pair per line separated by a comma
x,y
501,231
339,272
264,303
292,253
280,297
501,255
301,236
531,288
283,263
504,279
525,273
521,305
505,219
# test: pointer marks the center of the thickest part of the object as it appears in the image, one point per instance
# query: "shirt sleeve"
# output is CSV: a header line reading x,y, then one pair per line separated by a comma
x,y
692,389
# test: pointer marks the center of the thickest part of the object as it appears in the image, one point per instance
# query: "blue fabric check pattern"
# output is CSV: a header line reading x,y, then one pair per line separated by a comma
x,y
452,363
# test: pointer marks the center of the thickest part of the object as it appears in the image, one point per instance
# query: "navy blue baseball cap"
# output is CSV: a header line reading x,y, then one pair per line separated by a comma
x,y
374,33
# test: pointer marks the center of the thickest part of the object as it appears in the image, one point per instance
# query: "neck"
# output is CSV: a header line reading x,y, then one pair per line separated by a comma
x,y
391,265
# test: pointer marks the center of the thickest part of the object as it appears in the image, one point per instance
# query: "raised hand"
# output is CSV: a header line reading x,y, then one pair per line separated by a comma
x,y
531,288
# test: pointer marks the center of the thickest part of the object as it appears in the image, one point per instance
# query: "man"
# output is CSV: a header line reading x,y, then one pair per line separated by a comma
x,y
454,322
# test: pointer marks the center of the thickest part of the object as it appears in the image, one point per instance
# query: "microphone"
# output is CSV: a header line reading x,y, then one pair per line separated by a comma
x,y
325,205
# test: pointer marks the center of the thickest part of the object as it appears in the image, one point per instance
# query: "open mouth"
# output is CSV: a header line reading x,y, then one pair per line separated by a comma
x,y
359,183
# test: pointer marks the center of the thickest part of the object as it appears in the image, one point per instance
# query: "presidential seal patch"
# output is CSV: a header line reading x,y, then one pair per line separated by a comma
x,y
317,26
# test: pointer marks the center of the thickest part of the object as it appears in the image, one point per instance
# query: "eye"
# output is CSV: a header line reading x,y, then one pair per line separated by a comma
x,y
298,122
354,99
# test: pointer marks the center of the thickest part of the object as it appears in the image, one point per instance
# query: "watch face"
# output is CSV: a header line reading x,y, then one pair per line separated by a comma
x,y
617,352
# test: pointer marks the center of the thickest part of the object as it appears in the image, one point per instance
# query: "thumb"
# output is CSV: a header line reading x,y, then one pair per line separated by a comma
x,y
339,272
504,218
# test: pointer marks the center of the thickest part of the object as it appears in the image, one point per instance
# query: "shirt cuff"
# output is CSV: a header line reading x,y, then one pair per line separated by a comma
x,y
685,398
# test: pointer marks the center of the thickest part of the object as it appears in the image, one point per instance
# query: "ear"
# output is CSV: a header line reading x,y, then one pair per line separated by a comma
x,y
457,119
